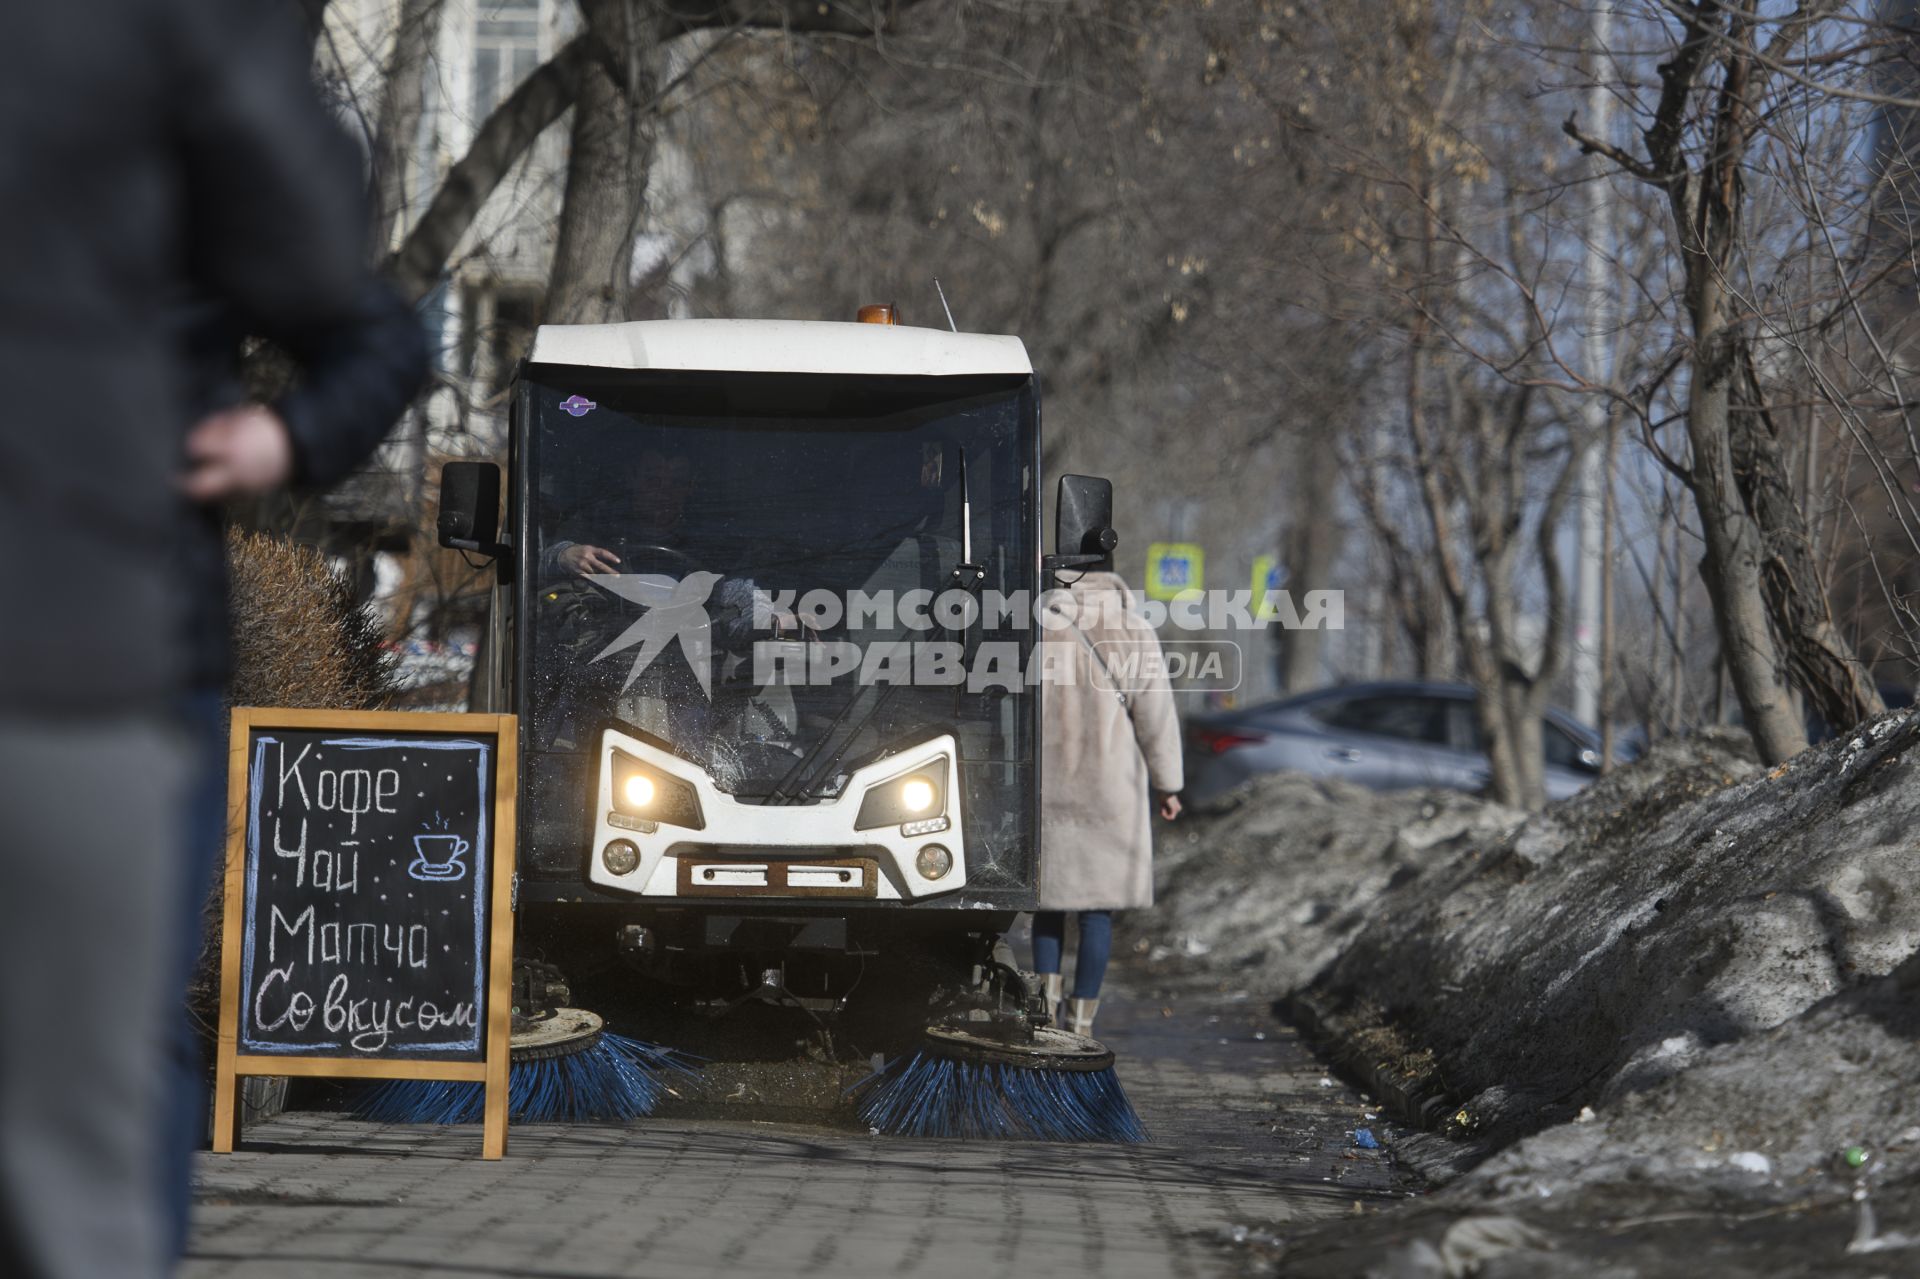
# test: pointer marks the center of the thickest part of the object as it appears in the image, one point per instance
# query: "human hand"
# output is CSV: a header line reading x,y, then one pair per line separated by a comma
x,y
582,559
1169,807
790,625
243,451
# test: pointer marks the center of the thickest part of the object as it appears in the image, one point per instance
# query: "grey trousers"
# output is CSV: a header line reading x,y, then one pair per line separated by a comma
x,y
90,859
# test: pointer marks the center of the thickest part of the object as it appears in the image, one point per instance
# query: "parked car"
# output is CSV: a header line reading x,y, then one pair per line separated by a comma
x,y
1387,736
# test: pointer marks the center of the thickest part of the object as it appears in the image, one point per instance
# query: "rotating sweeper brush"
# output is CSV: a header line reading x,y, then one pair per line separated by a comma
x,y
1058,1087
566,1067
990,1068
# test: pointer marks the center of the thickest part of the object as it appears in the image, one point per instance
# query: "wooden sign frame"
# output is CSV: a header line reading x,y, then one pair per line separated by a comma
x,y
492,1070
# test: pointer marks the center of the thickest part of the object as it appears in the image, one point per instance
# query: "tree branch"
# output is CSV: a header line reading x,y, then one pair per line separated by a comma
x,y
497,146
545,96
1700,25
1590,145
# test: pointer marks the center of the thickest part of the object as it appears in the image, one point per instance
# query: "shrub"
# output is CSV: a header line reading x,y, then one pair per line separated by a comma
x,y
298,640
298,637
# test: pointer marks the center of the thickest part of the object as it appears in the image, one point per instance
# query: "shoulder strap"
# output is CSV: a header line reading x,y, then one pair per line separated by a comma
x,y
1093,652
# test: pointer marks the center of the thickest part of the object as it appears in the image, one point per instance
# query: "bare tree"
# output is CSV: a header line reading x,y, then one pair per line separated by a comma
x,y
1462,266
1732,76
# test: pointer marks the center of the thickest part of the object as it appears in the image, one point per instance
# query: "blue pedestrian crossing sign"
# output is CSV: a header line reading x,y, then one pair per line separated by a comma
x,y
1269,575
1175,569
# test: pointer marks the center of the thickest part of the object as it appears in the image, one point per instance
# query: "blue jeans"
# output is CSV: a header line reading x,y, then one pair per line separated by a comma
x,y
1096,945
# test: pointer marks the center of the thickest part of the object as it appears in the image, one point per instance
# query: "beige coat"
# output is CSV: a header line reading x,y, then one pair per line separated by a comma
x,y
1099,757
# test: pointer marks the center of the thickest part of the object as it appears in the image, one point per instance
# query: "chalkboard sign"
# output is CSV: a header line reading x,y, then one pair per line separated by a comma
x,y
367,916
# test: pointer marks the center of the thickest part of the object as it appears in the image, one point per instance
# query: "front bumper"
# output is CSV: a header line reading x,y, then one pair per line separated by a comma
x,y
760,851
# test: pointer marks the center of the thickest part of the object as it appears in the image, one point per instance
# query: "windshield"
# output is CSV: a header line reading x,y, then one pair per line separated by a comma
x,y
693,542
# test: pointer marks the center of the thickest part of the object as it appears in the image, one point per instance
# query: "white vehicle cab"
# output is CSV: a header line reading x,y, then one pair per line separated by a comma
x,y
732,617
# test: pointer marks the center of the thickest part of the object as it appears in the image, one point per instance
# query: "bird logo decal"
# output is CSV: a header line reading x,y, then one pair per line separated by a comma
x,y
675,611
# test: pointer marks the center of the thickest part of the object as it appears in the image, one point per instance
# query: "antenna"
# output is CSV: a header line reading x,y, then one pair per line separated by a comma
x,y
943,304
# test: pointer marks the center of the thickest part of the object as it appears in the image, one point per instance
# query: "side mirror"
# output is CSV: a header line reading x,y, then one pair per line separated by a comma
x,y
1083,533
470,507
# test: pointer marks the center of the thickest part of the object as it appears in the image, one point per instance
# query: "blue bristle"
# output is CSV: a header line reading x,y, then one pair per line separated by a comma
x,y
616,1079
930,1095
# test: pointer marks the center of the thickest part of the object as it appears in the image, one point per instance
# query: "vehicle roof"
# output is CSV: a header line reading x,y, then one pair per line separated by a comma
x,y
1389,688
779,346
1382,688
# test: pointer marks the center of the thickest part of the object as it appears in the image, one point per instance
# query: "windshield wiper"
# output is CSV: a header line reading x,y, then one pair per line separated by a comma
x,y
967,575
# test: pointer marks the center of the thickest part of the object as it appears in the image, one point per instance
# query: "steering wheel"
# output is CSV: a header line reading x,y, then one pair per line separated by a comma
x,y
651,557
645,557
584,599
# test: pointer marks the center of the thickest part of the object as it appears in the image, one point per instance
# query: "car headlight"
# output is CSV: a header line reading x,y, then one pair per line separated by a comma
x,y
933,862
620,856
643,792
915,795
918,794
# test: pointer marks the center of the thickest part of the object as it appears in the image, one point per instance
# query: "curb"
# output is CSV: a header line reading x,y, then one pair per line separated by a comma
x,y
1418,1101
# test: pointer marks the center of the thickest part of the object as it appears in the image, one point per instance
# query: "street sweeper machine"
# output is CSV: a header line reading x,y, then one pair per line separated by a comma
x,y
765,606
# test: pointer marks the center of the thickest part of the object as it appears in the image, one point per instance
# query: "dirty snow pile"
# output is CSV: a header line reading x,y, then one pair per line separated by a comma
x,y
1736,942
1698,969
1271,882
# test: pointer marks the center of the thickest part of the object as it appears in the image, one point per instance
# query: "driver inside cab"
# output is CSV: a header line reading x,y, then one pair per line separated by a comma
x,y
627,545
643,502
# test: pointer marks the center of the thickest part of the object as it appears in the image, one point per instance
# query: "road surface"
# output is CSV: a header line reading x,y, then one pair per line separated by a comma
x,y
1249,1136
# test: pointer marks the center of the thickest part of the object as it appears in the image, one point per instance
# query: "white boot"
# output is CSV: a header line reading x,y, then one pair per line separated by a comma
x,y
1080,1015
1056,989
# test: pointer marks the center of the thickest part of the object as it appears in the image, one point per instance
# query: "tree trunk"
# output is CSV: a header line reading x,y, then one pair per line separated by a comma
x,y
1820,661
1510,695
1734,550
607,169
515,124
1311,545
1707,208
1523,702
402,102
1504,784
1497,698
1608,515
1438,649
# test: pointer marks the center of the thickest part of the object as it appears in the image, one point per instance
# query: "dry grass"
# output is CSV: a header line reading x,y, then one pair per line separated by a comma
x,y
298,640
298,637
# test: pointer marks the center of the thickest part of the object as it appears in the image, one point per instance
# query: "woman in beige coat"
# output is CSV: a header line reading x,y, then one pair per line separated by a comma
x,y
1109,739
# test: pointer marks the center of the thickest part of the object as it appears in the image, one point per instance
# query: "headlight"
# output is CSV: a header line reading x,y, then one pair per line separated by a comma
x,y
933,862
644,792
620,856
915,794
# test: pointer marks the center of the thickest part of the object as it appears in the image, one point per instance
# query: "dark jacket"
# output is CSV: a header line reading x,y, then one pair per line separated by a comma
x,y
157,155
354,381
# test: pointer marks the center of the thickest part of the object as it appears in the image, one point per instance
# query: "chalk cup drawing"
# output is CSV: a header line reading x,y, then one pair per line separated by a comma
x,y
437,858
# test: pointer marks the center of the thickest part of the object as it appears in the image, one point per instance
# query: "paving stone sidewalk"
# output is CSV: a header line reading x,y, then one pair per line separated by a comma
x,y
1244,1135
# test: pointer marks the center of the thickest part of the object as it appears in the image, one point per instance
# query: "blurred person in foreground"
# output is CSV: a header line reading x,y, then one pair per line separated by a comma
x,y
172,182
1110,754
